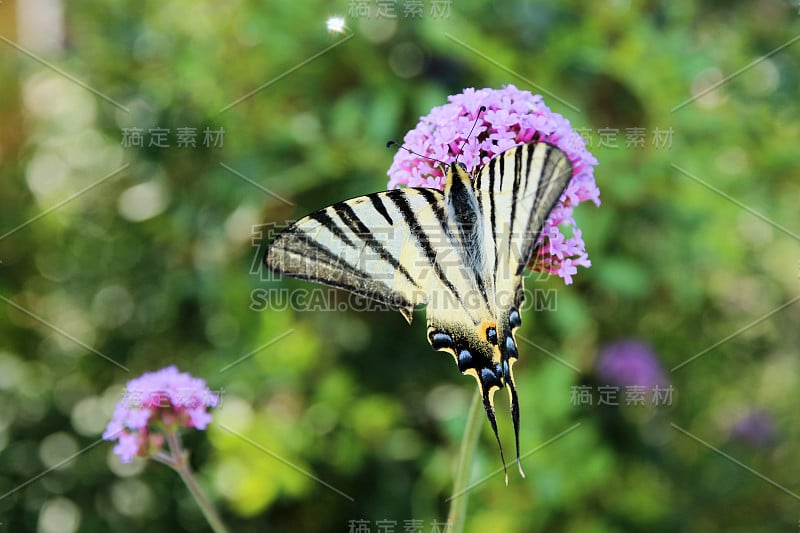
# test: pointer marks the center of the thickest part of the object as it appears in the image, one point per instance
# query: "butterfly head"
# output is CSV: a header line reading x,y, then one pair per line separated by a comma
x,y
458,180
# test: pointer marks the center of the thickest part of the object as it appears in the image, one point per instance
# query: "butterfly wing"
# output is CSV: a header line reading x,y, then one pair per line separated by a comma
x,y
374,245
516,192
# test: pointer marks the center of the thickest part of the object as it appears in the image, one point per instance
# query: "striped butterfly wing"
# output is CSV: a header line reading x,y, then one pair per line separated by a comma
x,y
516,192
375,246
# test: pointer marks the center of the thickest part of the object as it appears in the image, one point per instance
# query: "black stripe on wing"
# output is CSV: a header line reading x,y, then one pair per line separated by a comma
x,y
515,189
328,223
400,200
528,168
556,171
296,254
493,215
439,214
376,199
347,215
296,246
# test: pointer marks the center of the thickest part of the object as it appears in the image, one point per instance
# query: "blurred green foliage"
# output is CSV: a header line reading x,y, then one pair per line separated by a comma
x,y
696,241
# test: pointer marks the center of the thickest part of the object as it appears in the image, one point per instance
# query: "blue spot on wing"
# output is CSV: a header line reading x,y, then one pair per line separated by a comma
x,y
489,378
441,340
464,360
511,348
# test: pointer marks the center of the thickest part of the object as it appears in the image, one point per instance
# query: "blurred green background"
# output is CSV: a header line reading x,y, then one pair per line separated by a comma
x,y
695,250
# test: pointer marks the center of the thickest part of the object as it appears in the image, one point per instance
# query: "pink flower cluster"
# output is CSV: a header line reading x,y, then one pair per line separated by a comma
x,y
165,398
512,117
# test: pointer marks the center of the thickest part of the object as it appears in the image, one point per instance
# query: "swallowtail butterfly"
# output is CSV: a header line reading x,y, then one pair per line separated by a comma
x,y
462,252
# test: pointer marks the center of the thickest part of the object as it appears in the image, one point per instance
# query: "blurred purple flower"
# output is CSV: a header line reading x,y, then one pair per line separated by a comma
x,y
512,118
629,363
754,428
156,399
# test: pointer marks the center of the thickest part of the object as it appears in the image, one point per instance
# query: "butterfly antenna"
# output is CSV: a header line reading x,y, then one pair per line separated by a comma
x,y
389,144
461,148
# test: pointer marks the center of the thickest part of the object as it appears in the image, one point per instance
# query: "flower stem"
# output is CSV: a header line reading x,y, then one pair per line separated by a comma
x,y
457,515
181,465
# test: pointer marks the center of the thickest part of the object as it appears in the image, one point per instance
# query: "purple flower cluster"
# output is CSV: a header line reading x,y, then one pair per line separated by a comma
x,y
755,428
512,117
630,363
168,397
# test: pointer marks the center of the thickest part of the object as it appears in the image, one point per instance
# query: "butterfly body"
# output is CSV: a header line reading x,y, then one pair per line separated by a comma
x,y
462,252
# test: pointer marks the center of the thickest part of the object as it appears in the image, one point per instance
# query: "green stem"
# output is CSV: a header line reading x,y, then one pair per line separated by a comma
x,y
457,515
181,465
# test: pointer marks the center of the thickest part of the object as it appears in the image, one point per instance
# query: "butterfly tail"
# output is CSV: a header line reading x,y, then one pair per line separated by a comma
x,y
512,393
487,405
